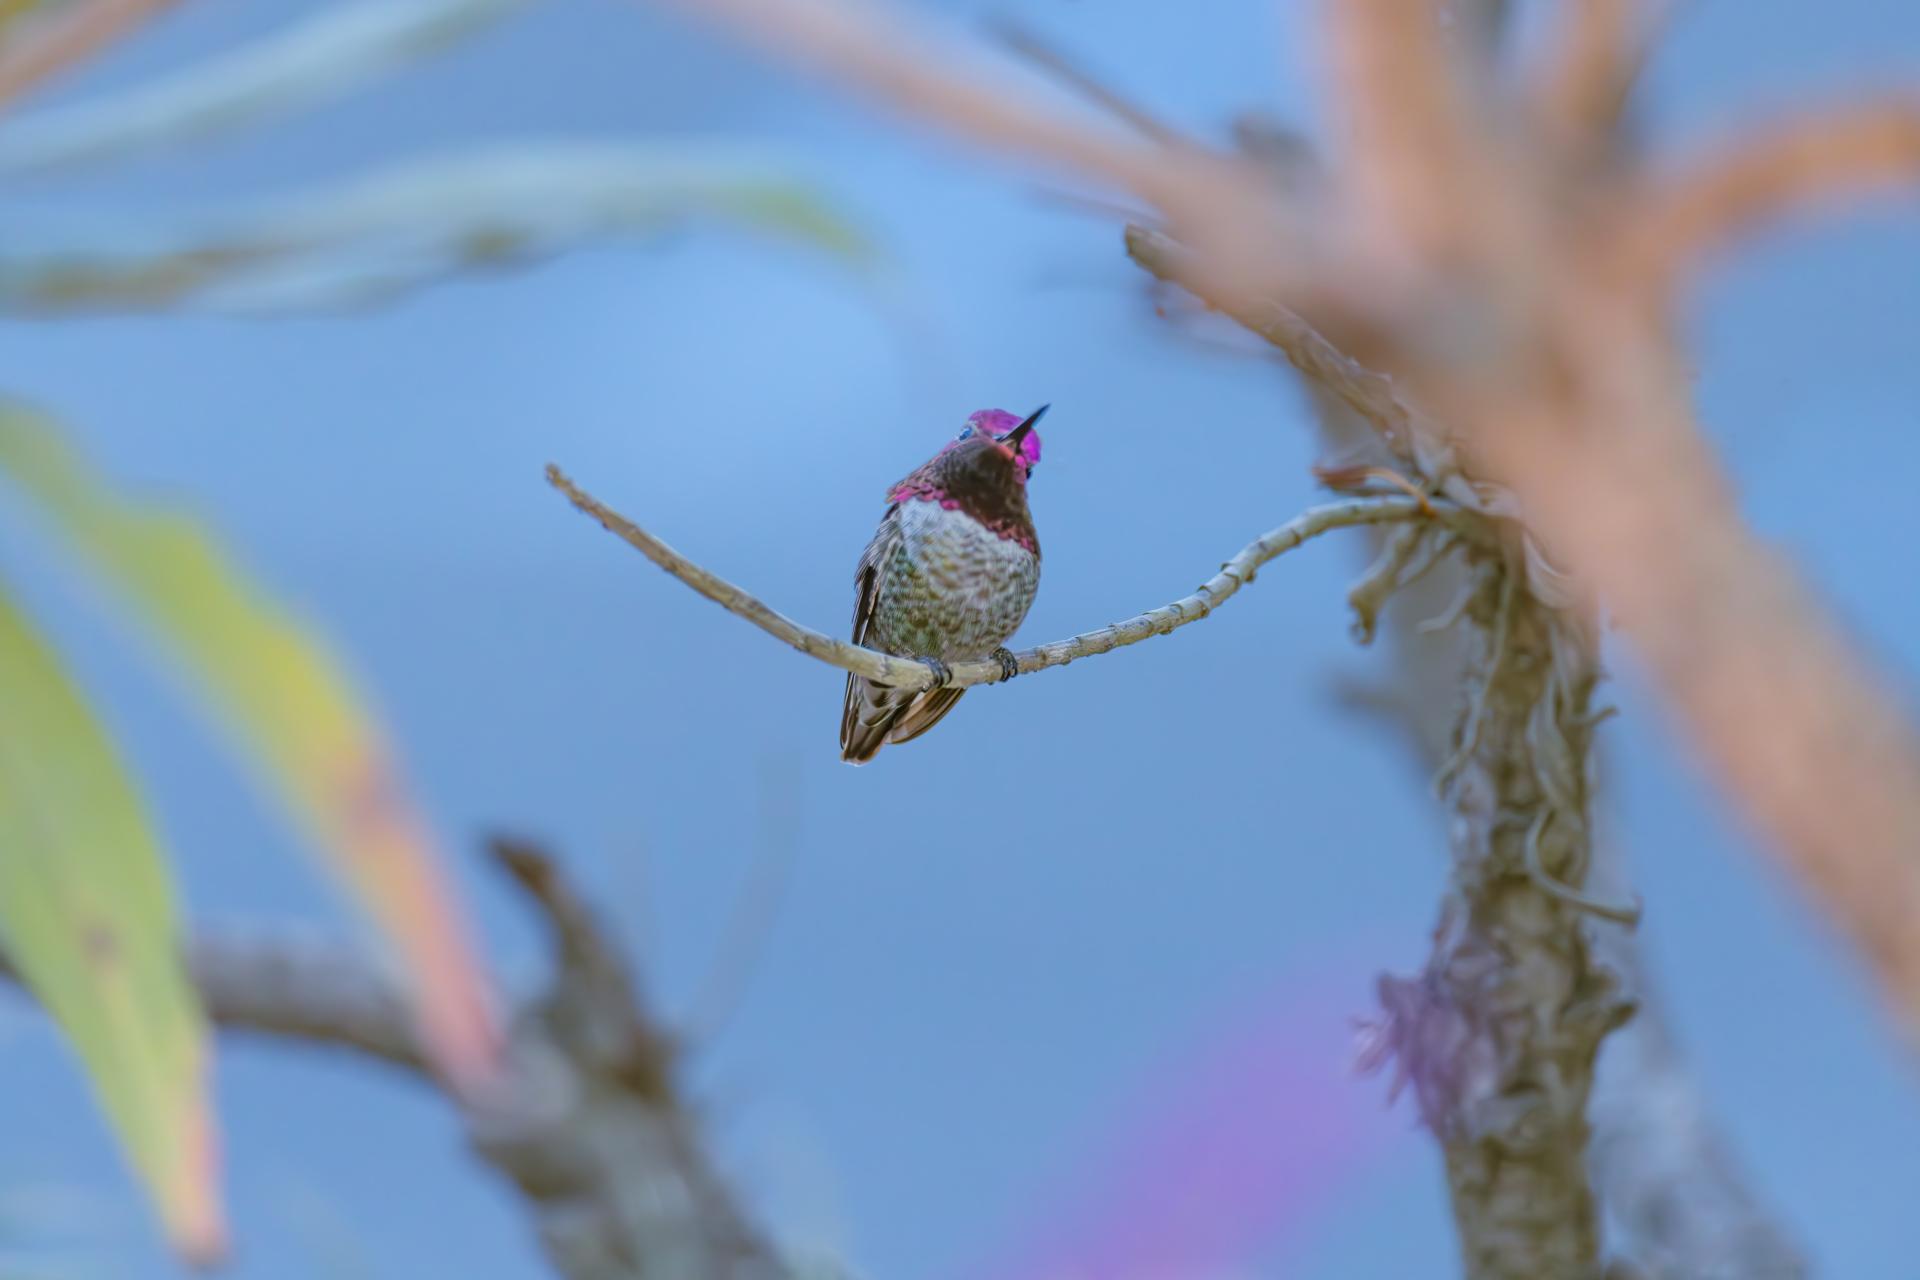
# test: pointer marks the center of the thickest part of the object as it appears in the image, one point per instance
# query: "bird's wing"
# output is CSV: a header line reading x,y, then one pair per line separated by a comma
x,y
881,549
871,709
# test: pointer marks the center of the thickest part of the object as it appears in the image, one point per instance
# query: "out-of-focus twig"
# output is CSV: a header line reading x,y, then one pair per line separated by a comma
x,y
1702,204
757,904
332,52
1596,54
368,240
1403,151
1024,41
879,50
45,46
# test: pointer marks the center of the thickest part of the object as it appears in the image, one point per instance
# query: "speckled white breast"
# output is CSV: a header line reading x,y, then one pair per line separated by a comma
x,y
954,589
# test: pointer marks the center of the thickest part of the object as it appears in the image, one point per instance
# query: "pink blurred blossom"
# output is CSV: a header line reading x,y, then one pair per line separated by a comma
x,y
1228,1155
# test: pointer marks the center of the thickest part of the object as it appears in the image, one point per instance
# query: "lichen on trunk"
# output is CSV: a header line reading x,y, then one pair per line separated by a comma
x,y
1498,1035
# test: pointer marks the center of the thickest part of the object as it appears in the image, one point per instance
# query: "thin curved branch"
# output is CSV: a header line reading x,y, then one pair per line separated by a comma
x,y
886,669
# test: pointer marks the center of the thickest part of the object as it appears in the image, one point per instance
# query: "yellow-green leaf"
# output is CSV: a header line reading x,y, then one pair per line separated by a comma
x,y
87,914
295,712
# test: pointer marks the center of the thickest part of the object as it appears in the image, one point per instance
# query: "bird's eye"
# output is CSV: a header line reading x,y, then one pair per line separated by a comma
x,y
964,433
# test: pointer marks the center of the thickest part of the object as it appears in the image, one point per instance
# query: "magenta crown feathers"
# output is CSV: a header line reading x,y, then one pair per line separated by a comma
x,y
998,422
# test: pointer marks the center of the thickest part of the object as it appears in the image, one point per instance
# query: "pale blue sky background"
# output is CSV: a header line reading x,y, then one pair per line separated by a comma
x,y
996,939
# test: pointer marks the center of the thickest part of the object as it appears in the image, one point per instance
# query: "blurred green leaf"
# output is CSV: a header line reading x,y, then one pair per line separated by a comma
x,y
294,710
372,238
87,913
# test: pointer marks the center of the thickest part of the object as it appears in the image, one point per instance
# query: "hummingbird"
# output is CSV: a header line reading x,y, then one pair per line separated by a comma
x,y
949,575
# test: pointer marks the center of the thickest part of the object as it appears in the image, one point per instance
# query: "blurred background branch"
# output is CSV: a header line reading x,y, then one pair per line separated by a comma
x,y
313,990
588,1121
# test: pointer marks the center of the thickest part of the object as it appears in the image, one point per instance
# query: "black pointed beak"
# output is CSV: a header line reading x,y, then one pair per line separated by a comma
x,y
1013,438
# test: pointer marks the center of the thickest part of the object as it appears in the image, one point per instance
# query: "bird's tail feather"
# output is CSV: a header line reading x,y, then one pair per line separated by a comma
x,y
876,714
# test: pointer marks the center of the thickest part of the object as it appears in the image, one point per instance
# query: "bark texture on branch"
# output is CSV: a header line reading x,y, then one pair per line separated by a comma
x,y
1498,1036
